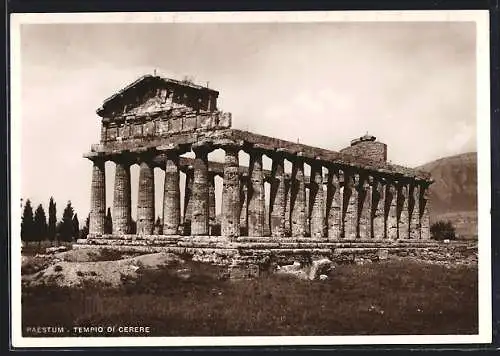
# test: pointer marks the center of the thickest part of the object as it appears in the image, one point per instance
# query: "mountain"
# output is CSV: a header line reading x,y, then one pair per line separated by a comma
x,y
454,191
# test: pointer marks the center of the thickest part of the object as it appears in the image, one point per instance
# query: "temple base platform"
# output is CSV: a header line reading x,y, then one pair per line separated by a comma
x,y
251,256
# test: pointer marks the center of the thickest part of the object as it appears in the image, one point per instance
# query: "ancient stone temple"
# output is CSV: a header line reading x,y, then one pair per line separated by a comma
x,y
352,200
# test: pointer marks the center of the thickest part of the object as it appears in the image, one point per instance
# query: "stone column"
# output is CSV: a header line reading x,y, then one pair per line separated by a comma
x,y
231,209
425,232
244,205
277,202
378,209
391,223
146,199
256,195
200,217
171,194
403,222
97,198
211,202
317,201
121,199
188,200
414,211
333,204
288,227
350,206
365,208
298,198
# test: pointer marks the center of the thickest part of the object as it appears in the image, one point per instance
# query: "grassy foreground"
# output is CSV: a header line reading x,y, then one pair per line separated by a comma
x,y
393,297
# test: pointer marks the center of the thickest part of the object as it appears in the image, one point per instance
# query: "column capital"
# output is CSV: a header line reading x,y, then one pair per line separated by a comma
x,y
259,149
202,147
187,169
125,157
313,162
146,154
279,153
95,156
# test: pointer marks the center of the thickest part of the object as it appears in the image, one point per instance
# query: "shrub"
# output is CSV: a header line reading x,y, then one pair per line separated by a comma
x,y
443,230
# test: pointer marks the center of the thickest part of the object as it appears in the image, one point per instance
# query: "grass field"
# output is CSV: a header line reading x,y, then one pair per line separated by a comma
x,y
392,297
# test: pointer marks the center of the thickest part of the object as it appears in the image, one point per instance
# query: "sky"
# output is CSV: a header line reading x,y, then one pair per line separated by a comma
x,y
412,85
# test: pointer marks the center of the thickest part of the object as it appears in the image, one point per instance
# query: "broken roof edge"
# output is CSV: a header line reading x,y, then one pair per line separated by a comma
x,y
145,77
348,159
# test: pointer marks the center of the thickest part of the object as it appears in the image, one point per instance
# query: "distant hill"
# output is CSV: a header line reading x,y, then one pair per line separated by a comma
x,y
454,191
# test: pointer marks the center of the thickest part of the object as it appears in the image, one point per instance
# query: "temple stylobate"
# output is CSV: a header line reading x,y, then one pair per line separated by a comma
x,y
351,195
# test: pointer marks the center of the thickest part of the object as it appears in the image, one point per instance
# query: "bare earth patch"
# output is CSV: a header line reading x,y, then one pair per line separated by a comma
x,y
79,267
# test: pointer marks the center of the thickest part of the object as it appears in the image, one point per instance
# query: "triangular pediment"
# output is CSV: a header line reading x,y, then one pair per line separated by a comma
x,y
150,95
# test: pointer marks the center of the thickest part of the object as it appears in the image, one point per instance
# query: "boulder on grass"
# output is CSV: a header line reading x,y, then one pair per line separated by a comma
x,y
318,268
56,249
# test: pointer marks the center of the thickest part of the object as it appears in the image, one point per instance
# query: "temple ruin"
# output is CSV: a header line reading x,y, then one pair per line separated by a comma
x,y
354,201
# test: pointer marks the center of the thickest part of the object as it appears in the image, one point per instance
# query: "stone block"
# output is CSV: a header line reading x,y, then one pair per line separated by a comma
x,y
136,130
175,125
205,122
189,123
111,133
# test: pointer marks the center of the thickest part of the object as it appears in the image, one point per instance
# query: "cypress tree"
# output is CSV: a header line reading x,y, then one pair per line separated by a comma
x,y
67,232
27,222
40,224
76,227
51,229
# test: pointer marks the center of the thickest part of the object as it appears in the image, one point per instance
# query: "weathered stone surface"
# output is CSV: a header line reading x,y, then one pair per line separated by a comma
x,y
365,208
256,197
277,200
350,206
317,202
414,211
378,210
97,198
403,221
288,217
200,217
231,193
391,225
298,199
146,200
121,199
171,197
188,200
211,201
243,206
320,267
333,204
425,204
311,272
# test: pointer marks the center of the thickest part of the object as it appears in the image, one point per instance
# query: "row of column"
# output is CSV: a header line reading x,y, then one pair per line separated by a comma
x,y
352,205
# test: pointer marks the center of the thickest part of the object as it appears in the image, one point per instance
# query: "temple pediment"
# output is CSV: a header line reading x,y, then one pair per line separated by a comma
x,y
152,95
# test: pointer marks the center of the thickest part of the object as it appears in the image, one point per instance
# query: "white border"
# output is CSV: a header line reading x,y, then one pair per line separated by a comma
x,y
480,17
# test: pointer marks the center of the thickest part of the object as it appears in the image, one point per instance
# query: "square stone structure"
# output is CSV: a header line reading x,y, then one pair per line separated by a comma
x,y
354,202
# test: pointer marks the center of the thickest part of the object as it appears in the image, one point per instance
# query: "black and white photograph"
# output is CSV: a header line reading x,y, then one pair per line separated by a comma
x,y
278,178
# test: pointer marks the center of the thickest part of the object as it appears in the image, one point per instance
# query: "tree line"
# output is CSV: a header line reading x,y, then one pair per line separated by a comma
x,y
36,227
